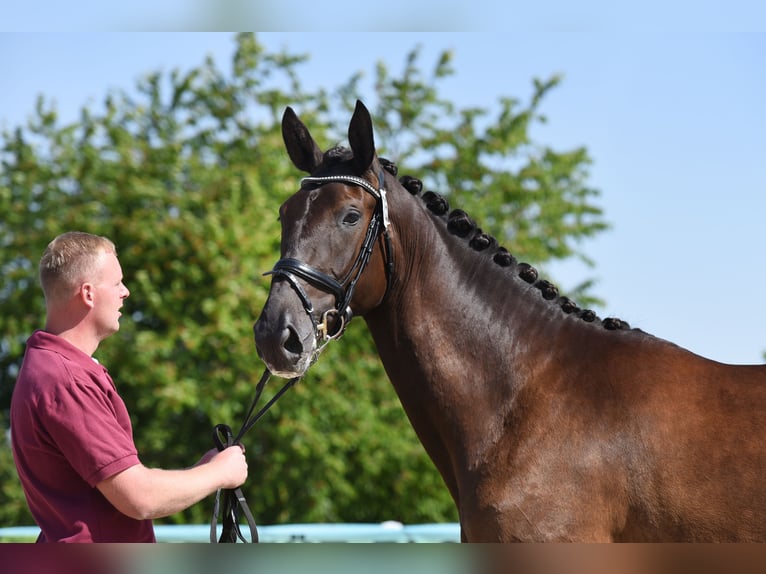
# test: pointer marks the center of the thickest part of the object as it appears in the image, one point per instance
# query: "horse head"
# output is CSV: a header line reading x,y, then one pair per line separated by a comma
x,y
333,249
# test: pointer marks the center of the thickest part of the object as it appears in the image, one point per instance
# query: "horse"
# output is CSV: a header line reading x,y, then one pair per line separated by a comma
x,y
545,422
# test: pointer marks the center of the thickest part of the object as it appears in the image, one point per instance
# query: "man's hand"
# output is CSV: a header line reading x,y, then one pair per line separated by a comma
x,y
232,466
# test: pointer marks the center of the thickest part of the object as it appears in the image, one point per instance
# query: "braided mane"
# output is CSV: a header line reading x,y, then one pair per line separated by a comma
x,y
459,223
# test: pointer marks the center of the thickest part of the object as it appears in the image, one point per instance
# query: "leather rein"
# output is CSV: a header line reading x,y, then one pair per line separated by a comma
x,y
231,503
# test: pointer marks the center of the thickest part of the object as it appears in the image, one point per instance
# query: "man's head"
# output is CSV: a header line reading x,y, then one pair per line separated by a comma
x,y
82,282
71,259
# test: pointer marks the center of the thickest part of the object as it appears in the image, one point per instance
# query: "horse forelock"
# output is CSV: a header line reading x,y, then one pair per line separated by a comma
x,y
340,156
461,225
334,157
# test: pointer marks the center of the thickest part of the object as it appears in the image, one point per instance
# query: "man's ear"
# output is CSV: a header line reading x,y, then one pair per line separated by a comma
x,y
87,294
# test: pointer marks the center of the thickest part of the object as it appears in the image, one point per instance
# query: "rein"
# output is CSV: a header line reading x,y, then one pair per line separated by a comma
x,y
232,501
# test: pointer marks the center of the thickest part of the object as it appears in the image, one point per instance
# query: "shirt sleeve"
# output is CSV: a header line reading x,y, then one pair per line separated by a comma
x,y
91,427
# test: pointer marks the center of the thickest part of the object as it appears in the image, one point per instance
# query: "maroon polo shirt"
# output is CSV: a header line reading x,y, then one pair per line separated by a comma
x,y
69,431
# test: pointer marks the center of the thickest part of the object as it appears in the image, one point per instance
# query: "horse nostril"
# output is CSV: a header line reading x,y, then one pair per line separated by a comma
x,y
292,343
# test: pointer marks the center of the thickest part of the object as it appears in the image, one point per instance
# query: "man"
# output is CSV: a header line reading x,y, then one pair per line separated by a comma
x,y
71,434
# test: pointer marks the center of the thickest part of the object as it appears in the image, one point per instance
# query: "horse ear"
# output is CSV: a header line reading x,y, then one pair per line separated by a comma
x,y
361,139
301,147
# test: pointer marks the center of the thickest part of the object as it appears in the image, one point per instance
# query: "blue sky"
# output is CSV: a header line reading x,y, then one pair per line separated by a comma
x,y
673,117
506,16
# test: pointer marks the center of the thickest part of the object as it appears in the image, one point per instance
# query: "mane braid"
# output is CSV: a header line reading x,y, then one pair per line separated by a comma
x,y
460,224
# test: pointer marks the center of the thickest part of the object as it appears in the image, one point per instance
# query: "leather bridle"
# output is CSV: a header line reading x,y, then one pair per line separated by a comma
x,y
231,503
343,290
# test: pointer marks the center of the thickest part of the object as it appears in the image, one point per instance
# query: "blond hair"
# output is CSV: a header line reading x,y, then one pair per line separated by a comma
x,y
69,260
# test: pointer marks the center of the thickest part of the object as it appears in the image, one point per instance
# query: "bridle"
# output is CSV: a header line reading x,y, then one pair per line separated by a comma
x,y
231,503
343,290
291,268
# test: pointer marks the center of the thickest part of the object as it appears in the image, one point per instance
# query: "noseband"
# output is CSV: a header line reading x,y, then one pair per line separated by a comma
x,y
291,269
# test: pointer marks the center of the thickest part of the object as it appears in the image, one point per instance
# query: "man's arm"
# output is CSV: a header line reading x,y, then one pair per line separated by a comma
x,y
148,493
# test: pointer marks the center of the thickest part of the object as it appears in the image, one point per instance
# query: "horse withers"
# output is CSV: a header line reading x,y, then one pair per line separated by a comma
x,y
545,422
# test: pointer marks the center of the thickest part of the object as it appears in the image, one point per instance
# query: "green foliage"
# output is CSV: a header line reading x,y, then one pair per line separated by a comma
x,y
186,176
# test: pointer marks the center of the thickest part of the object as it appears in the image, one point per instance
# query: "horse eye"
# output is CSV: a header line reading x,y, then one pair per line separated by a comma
x,y
352,218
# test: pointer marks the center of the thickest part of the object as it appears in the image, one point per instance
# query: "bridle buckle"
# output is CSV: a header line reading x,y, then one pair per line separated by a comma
x,y
323,327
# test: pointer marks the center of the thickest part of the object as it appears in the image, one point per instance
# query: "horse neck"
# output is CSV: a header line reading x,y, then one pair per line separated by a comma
x,y
457,334
457,311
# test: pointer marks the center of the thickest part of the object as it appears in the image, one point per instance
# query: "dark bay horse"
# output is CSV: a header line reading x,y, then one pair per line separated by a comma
x,y
546,422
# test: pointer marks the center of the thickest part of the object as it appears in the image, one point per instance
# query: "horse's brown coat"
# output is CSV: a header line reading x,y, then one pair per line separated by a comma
x,y
545,427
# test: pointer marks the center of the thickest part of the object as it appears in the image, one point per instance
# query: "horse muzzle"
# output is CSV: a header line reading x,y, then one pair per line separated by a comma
x,y
285,338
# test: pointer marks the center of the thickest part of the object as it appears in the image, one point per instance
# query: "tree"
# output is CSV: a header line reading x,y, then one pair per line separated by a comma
x,y
186,176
